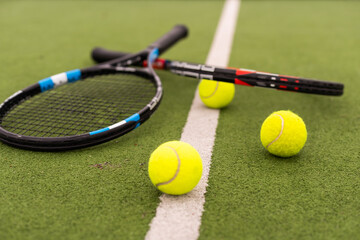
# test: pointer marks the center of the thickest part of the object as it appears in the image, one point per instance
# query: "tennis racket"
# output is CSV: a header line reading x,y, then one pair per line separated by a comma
x,y
237,76
85,107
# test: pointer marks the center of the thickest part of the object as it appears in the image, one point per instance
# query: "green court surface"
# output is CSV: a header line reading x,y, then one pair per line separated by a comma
x,y
103,192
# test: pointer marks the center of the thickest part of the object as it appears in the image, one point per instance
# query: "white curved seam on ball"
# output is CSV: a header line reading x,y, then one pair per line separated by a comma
x,y
177,170
213,93
281,131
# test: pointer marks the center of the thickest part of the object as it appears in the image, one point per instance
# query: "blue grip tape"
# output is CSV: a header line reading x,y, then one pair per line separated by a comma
x,y
154,54
73,75
46,84
135,118
99,131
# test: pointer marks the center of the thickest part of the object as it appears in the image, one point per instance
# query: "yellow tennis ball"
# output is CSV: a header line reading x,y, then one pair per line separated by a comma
x,y
283,133
216,94
175,168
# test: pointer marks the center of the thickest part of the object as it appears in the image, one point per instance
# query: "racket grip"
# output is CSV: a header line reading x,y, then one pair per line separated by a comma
x,y
101,55
178,32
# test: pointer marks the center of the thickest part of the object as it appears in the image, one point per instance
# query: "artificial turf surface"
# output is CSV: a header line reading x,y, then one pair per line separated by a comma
x,y
103,192
69,195
316,194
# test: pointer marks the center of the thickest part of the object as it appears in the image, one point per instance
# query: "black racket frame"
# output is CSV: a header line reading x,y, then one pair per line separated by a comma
x,y
114,66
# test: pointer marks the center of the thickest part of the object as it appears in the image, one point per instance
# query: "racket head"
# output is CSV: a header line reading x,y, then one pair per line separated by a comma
x,y
82,108
86,112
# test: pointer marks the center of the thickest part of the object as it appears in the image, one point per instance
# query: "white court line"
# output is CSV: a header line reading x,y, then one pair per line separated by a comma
x,y
179,217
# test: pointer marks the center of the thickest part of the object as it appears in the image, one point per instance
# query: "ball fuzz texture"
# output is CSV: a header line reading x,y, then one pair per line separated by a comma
x,y
283,133
216,94
175,168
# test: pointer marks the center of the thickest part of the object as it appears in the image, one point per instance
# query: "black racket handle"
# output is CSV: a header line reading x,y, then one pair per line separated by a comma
x,y
178,32
101,55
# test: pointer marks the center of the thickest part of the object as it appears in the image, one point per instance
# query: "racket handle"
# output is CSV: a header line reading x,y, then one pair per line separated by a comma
x,y
101,55
178,32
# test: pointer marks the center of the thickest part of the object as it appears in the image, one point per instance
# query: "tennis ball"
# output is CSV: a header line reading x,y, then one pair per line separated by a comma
x,y
283,133
175,167
216,94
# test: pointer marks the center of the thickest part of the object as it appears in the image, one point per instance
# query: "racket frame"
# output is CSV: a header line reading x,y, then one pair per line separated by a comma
x,y
119,65
237,76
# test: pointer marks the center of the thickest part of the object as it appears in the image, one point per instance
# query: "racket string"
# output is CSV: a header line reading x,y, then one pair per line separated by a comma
x,y
80,107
